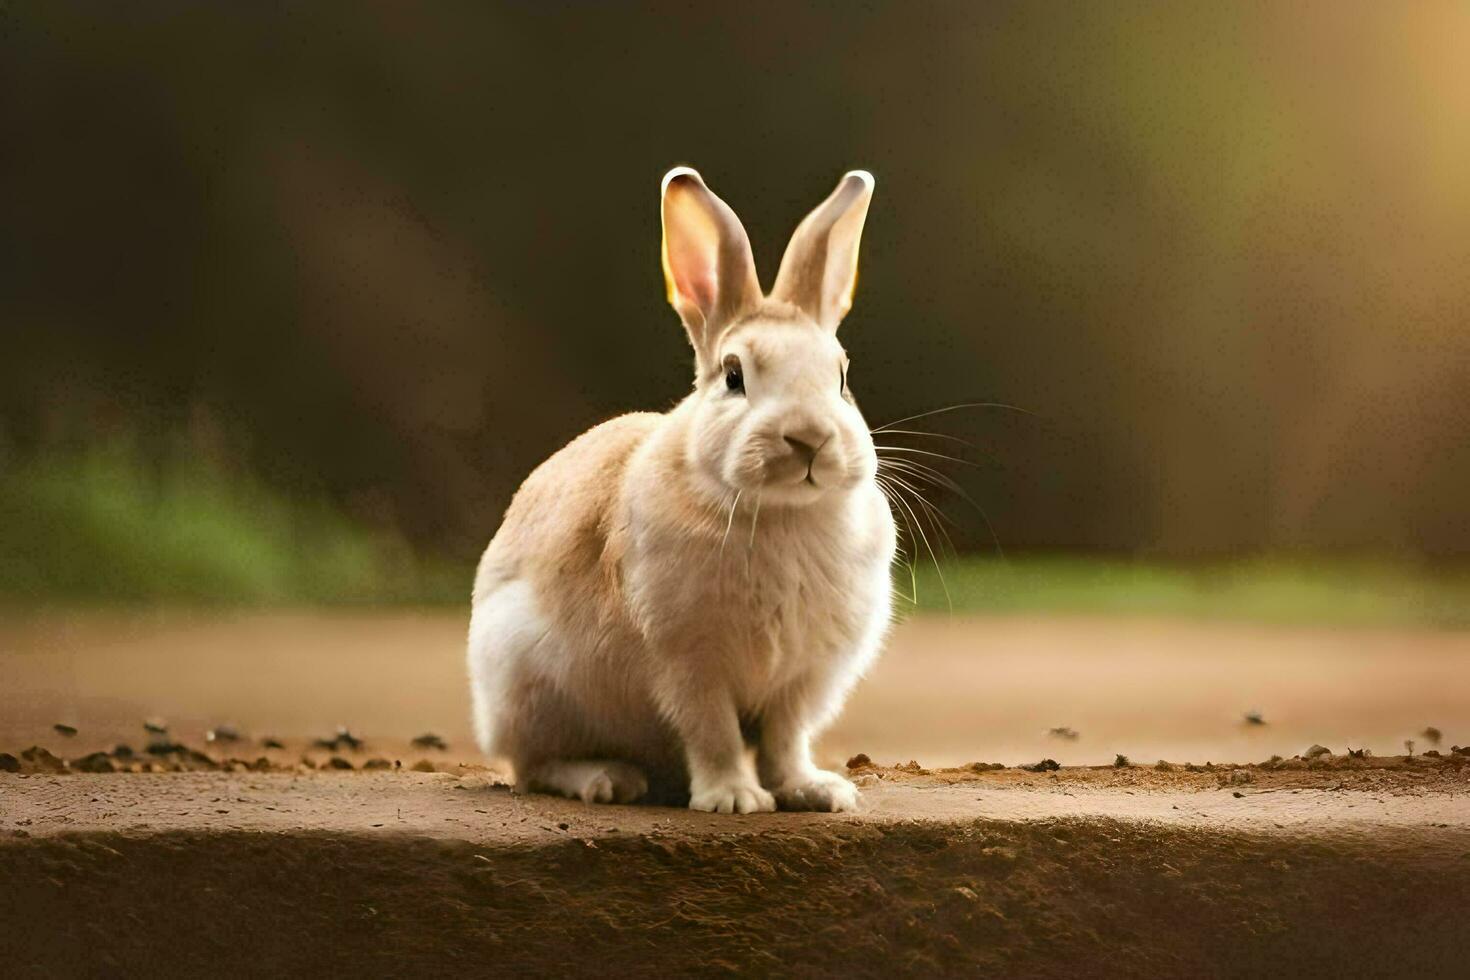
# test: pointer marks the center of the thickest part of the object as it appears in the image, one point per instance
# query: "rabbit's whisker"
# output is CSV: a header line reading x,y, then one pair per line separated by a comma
x,y
889,493
937,517
954,408
730,523
919,470
930,435
924,452
755,516
933,556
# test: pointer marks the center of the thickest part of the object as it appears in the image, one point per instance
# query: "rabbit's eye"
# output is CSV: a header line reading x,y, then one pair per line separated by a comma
x,y
734,379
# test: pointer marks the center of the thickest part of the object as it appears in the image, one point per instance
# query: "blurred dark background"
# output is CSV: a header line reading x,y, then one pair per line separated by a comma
x,y
385,258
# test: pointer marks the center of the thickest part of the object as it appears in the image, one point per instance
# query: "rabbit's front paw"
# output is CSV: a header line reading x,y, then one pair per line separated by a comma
x,y
818,790
737,793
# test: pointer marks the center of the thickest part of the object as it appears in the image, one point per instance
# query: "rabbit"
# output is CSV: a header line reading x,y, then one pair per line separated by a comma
x,y
676,604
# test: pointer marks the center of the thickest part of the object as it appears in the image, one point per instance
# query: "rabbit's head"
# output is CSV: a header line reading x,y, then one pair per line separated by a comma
x,y
772,411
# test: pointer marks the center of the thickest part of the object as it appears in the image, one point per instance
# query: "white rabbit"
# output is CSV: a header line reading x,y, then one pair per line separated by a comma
x,y
668,592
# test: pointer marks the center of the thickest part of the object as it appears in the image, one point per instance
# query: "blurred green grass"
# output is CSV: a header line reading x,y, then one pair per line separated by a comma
x,y
108,527
1335,592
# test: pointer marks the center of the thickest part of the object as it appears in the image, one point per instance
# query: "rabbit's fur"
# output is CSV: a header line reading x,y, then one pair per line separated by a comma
x,y
669,592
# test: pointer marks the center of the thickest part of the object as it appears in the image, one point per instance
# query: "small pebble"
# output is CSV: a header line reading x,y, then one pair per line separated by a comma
x,y
67,730
96,762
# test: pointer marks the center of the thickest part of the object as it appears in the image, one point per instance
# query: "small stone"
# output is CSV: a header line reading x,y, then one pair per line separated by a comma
x,y
9,763
1254,718
272,743
43,760
164,746
968,894
122,751
429,740
859,761
1317,751
68,730
377,764
193,758
424,765
96,762
337,762
222,733
1431,753
1237,794
156,726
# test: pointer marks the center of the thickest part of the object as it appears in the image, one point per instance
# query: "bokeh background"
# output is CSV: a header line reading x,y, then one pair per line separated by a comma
x,y
295,295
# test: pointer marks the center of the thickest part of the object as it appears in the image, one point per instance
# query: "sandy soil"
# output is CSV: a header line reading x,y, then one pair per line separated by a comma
x,y
946,692
1336,867
246,858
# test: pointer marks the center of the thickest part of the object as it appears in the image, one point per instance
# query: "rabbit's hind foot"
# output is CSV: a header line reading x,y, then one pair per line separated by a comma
x,y
588,780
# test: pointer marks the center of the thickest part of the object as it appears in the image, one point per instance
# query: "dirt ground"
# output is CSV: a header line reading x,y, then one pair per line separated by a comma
x,y
283,845
947,691
1335,867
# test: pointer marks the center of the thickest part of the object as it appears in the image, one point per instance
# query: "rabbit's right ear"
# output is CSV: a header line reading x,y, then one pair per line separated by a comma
x,y
708,267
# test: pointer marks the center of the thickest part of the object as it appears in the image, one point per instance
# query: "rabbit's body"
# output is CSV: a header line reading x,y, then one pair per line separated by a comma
x,y
668,592
601,582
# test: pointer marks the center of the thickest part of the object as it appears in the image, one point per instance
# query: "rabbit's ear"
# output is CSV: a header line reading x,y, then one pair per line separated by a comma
x,y
708,267
819,270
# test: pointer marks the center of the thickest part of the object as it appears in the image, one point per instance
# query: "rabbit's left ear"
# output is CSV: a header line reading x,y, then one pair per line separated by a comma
x,y
819,270
708,268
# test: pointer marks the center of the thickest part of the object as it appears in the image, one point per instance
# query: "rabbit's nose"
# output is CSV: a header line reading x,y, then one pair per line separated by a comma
x,y
805,451
806,443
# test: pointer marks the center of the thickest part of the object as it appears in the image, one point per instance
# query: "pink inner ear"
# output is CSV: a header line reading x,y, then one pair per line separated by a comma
x,y
700,288
695,275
